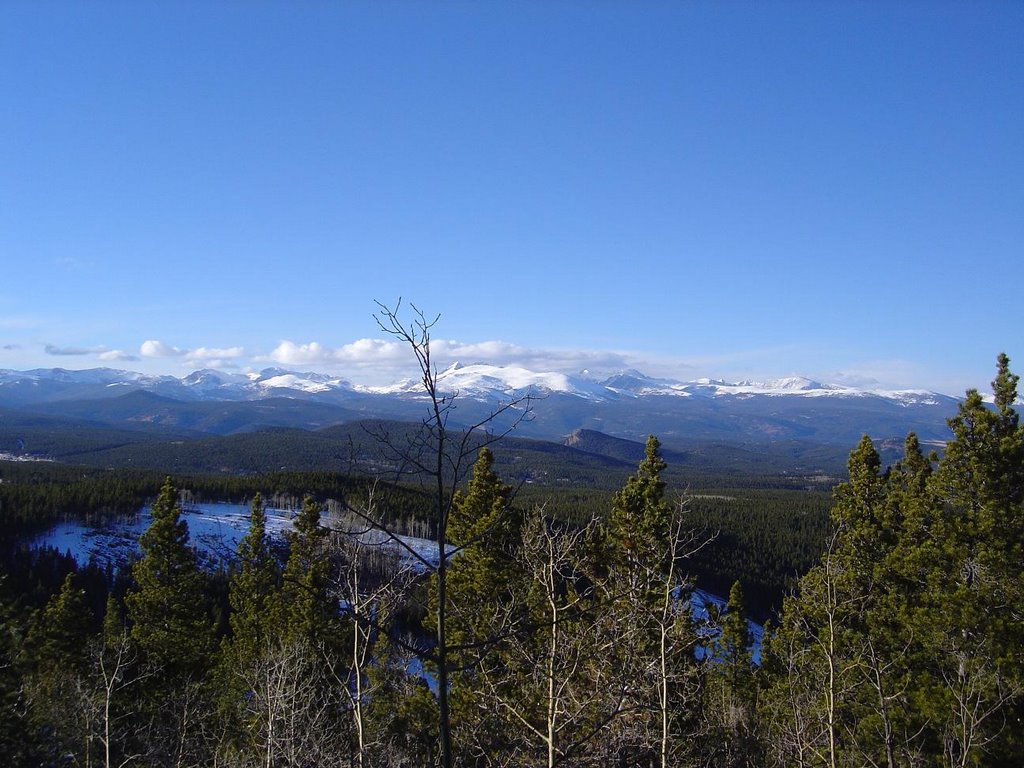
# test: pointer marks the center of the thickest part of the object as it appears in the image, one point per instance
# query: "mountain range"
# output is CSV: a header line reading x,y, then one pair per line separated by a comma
x,y
628,404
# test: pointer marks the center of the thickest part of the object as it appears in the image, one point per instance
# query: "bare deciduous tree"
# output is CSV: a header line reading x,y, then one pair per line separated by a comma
x,y
440,456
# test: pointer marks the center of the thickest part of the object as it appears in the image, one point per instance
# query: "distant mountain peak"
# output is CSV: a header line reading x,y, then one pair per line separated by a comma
x,y
629,404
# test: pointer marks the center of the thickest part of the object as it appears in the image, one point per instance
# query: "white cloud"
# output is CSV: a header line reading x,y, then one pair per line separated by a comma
x,y
153,348
101,352
117,354
384,357
72,263
358,353
212,357
890,373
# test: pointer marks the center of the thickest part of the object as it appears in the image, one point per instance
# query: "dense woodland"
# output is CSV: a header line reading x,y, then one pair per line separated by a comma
x,y
557,633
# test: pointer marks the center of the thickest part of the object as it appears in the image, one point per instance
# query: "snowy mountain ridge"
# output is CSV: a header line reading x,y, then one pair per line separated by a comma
x,y
477,381
628,404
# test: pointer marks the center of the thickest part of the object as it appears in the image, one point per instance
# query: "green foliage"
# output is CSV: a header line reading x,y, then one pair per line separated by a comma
x,y
483,575
64,627
911,628
486,528
639,520
253,596
253,586
733,644
305,609
18,739
730,694
902,646
167,608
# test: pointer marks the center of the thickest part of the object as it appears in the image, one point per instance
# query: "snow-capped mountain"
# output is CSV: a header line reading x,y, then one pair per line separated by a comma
x,y
628,404
480,381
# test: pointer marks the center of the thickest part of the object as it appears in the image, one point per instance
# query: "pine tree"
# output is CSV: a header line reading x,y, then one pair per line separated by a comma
x,y
731,688
905,644
64,629
305,610
821,638
167,607
113,625
648,600
483,576
252,596
979,633
18,740
253,589
486,529
640,518
733,646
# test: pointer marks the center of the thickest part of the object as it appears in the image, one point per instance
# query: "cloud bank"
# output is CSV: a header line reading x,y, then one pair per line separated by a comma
x,y
100,353
379,361
386,357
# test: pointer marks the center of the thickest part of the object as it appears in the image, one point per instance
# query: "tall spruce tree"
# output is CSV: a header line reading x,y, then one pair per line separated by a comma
x,y
252,596
168,608
979,632
904,646
822,631
486,530
306,610
253,589
483,576
640,518
732,646
648,613
730,692
60,637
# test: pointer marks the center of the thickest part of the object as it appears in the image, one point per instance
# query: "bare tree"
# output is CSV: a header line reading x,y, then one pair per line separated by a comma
x,y
116,663
293,708
979,693
655,648
88,709
823,668
544,680
440,456
370,584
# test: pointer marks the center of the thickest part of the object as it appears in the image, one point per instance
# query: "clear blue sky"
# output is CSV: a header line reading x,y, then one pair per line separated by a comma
x,y
833,189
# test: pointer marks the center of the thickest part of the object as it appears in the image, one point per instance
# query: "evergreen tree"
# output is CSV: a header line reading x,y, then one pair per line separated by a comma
x,y
732,647
905,644
305,609
253,589
113,624
167,607
640,517
64,628
486,530
483,576
252,594
18,740
647,611
824,631
979,627
730,691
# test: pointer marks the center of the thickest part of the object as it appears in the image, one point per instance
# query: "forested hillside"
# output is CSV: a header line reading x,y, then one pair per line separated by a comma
x,y
558,631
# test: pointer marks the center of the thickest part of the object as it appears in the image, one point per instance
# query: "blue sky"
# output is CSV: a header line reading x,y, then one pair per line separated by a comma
x,y
736,190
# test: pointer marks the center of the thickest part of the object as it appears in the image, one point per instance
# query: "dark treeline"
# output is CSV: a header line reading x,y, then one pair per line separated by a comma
x,y
33,495
764,536
565,638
